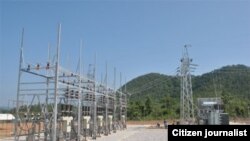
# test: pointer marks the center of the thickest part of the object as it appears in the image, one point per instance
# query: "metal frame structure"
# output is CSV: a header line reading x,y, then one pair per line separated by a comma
x,y
186,99
207,107
62,104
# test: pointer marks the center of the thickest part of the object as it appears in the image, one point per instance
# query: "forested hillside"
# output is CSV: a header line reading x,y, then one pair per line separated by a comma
x,y
156,96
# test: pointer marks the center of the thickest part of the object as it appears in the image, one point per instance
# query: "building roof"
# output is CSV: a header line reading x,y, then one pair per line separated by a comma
x,y
6,117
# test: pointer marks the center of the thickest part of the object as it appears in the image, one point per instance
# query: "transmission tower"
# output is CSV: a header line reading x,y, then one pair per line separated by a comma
x,y
186,99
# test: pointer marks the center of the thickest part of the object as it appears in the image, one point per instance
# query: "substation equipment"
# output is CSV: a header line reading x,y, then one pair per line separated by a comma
x,y
64,105
211,112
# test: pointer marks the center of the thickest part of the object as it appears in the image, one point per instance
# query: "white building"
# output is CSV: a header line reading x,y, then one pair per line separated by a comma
x,y
4,117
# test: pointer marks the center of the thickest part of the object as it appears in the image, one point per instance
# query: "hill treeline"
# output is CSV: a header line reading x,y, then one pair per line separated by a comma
x,y
157,96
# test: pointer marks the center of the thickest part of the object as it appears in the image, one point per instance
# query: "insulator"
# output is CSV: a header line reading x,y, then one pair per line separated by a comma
x,y
38,116
62,107
76,95
25,115
47,67
66,107
66,92
72,95
70,107
37,66
28,69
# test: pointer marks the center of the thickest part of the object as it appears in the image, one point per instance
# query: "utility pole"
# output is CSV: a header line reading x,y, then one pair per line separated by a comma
x,y
94,102
18,88
79,96
120,98
56,84
114,106
125,98
106,101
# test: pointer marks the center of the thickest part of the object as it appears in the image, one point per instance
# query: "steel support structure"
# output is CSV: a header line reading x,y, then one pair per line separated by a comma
x,y
59,101
186,96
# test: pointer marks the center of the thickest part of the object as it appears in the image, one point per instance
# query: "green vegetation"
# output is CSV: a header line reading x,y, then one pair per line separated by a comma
x,y
4,110
156,96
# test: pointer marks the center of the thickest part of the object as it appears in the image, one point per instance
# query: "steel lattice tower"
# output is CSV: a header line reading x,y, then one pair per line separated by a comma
x,y
54,103
186,98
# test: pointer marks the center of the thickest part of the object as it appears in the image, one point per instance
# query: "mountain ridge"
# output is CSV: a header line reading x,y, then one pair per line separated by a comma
x,y
231,82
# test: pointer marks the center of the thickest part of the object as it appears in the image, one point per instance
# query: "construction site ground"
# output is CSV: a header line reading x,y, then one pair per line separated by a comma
x,y
136,131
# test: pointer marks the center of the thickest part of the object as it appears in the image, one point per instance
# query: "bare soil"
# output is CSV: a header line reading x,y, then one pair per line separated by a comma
x,y
7,129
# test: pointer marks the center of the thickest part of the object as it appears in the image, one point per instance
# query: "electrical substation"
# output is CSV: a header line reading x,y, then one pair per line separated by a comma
x,y
209,111
54,103
57,104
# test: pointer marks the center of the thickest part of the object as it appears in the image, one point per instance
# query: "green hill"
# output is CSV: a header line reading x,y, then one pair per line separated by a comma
x,y
156,96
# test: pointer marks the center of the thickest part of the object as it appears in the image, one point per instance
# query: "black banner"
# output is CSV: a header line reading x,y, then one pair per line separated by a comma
x,y
208,132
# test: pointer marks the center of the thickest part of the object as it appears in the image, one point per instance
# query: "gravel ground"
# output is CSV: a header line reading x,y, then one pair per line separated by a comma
x,y
136,133
149,135
132,133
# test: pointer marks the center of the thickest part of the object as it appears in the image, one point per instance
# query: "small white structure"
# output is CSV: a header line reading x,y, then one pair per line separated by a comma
x,y
123,119
5,117
66,125
110,119
100,121
86,122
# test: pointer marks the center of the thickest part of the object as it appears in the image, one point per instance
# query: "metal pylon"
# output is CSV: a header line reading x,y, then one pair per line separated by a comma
x,y
186,99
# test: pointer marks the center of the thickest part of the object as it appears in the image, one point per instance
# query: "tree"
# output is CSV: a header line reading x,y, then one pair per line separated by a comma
x,y
148,106
159,95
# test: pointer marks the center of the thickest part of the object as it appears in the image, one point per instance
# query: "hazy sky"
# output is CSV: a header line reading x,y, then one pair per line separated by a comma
x,y
135,36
